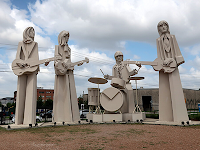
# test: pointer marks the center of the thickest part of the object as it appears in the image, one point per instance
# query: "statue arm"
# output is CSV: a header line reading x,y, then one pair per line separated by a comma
x,y
108,77
131,72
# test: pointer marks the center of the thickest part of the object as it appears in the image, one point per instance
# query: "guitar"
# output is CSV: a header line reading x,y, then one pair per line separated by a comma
x,y
157,64
61,69
27,66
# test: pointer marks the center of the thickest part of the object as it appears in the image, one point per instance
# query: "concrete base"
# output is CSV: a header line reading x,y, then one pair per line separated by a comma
x,y
97,118
173,122
127,117
138,116
112,117
134,116
94,117
89,116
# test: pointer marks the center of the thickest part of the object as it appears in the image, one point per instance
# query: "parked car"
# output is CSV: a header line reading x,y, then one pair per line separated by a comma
x,y
38,119
83,113
48,114
11,116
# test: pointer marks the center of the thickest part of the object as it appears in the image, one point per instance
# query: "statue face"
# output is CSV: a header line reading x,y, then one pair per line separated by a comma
x,y
32,33
163,28
66,37
119,58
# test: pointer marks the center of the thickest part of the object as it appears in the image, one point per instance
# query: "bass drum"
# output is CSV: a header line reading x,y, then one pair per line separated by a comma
x,y
112,99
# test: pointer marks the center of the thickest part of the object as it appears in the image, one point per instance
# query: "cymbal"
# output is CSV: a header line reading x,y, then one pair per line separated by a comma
x,y
136,78
97,80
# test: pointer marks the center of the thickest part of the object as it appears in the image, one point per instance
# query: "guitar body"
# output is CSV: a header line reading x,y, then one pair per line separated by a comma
x,y
27,66
27,69
61,69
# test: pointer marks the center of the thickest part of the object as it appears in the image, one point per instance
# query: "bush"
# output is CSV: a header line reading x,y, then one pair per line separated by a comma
x,y
155,116
195,117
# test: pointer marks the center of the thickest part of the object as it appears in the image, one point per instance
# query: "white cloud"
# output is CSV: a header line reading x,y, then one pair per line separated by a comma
x,y
103,24
135,57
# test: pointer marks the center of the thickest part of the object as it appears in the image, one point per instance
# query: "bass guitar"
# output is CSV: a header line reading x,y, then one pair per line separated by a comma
x,y
61,68
157,64
21,67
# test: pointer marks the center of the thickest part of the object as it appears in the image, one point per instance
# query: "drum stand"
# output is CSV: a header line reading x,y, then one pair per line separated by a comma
x,y
137,108
98,110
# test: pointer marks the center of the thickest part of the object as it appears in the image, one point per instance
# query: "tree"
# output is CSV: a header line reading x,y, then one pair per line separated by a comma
x,y
80,101
0,104
8,105
49,104
40,102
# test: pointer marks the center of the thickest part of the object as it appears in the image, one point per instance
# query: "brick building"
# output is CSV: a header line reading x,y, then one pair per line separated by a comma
x,y
45,93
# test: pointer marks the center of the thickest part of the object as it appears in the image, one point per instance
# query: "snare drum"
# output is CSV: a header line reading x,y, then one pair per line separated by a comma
x,y
118,83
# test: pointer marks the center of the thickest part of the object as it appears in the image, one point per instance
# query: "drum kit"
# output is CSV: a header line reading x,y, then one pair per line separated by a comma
x,y
112,99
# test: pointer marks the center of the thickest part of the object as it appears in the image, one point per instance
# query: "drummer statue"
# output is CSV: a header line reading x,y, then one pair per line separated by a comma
x,y
123,72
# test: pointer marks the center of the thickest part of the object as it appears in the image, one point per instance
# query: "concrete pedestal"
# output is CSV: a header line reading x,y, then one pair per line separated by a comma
x,y
94,117
111,117
133,116
138,116
89,116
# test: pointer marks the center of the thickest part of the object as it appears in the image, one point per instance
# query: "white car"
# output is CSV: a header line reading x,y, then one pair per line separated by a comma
x,y
83,113
38,118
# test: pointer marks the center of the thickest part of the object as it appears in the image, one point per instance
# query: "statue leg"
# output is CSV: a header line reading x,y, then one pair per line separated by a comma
x,y
20,101
165,104
74,102
178,101
59,102
31,99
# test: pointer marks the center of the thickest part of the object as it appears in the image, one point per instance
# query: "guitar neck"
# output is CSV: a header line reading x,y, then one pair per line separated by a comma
x,y
76,63
40,62
142,62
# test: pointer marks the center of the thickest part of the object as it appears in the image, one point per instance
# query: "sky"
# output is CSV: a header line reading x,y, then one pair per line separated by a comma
x,y
97,30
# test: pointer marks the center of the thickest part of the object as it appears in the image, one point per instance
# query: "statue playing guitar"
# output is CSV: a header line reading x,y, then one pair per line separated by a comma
x,y
171,98
26,67
65,104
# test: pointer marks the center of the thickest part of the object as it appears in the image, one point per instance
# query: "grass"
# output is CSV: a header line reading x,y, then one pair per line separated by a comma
x,y
195,117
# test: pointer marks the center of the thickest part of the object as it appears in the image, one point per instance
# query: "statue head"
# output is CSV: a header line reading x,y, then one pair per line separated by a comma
x,y
118,56
163,27
28,35
63,38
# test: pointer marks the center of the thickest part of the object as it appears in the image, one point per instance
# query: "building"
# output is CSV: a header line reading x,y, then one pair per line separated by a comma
x,y
6,100
45,93
148,98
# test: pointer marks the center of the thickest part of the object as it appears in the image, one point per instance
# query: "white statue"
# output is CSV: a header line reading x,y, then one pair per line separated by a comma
x,y
65,104
120,79
172,105
25,67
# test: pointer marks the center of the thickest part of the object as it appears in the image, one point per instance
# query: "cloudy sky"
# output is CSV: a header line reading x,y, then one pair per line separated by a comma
x,y
97,30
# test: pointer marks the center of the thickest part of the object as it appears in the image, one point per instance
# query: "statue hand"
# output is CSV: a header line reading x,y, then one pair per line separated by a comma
x,y
167,62
139,64
79,64
106,76
47,62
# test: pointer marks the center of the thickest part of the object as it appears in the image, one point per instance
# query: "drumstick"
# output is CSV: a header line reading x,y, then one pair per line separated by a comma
x,y
102,72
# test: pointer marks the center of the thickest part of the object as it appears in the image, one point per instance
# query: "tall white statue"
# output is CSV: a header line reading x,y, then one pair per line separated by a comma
x,y
65,104
27,78
172,105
